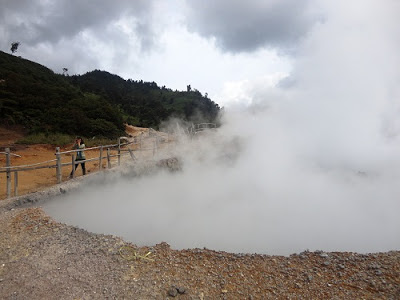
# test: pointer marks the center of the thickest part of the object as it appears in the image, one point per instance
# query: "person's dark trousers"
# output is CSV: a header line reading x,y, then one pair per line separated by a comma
x,y
82,165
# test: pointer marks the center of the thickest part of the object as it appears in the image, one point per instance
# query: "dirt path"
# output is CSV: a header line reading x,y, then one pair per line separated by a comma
x,y
32,181
35,180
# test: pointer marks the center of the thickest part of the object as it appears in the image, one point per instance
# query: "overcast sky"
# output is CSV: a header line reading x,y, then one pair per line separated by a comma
x,y
233,50
216,46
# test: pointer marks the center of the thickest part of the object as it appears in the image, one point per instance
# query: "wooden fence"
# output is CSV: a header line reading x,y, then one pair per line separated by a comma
x,y
104,154
197,128
8,172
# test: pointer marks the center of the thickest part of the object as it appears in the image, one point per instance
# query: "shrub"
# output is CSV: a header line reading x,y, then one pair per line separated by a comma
x,y
56,139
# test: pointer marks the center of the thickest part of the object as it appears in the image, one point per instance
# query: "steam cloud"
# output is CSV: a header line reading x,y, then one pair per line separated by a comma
x,y
314,165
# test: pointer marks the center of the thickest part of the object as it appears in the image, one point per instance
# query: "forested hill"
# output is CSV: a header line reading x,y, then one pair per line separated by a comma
x,y
145,103
94,104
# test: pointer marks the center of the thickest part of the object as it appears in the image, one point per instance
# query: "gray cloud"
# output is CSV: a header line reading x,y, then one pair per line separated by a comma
x,y
50,21
80,35
240,26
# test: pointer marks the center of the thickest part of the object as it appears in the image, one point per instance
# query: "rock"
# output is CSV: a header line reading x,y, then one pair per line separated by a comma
x,y
172,292
326,263
309,278
323,255
374,267
172,164
181,290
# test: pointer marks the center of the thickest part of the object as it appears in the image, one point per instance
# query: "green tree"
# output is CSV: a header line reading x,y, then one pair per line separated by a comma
x,y
14,47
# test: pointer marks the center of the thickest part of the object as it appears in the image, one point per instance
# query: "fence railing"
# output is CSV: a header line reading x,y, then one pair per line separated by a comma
x,y
122,148
196,128
8,172
74,162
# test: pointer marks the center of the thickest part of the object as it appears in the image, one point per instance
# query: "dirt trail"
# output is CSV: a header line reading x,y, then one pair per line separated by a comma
x,y
35,180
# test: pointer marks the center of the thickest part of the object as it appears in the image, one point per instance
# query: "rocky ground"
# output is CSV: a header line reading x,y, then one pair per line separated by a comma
x,y
43,259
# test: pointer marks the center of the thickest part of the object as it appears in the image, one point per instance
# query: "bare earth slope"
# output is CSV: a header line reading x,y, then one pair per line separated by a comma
x,y
32,181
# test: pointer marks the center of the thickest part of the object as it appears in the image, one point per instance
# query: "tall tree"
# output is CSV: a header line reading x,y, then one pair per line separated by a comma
x,y
14,47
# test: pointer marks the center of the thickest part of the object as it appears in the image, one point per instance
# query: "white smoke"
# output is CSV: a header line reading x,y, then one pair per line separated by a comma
x,y
315,164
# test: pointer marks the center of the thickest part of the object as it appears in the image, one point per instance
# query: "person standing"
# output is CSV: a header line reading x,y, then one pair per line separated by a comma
x,y
80,155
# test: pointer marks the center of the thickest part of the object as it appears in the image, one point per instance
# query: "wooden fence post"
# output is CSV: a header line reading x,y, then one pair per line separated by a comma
x,y
157,143
131,153
58,165
8,165
119,151
73,165
16,183
108,158
101,158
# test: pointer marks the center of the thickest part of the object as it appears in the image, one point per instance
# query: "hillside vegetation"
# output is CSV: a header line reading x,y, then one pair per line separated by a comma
x,y
94,104
145,103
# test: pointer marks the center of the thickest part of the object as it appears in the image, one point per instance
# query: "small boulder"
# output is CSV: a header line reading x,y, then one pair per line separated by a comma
x,y
172,292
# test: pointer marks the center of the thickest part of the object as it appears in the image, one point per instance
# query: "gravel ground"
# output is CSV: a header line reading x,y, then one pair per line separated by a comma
x,y
43,259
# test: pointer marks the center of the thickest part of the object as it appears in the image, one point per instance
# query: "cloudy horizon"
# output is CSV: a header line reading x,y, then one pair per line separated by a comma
x,y
228,49
217,48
